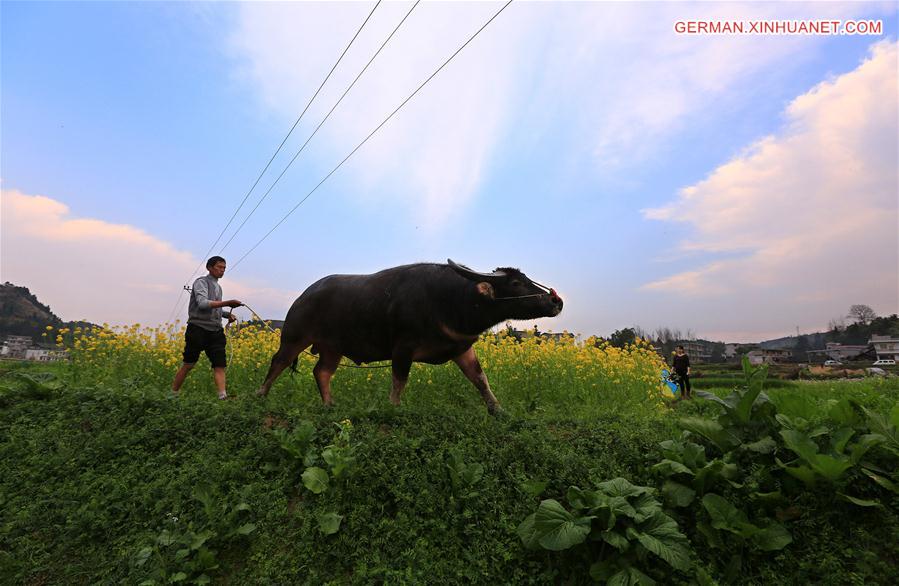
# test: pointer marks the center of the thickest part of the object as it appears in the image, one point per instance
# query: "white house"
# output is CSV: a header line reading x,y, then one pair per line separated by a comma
x,y
886,347
769,356
16,346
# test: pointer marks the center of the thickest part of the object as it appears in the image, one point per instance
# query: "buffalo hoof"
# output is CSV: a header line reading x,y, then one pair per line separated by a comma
x,y
261,393
495,410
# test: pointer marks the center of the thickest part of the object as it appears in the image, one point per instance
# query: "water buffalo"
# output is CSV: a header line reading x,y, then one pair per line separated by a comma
x,y
423,312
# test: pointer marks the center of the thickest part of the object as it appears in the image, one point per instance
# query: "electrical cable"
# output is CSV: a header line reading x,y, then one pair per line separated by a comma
x,y
314,132
281,221
339,59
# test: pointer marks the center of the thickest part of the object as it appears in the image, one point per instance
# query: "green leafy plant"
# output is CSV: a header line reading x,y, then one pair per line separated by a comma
x,y
688,472
186,552
829,451
744,440
297,443
329,523
38,385
464,476
340,455
746,414
886,428
729,530
622,524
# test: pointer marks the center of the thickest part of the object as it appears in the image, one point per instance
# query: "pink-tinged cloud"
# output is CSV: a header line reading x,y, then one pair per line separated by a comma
x,y
808,214
85,268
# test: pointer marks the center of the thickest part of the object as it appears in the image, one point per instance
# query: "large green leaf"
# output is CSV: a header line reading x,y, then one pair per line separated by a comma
x,y
843,413
661,536
645,506
528,532
800,443
533,488
727,517
677,494
723,439
619,506
621,487
727,404
840,438
803,473
559,529
887,427
864,443
743,412
616,540
694,455
766,445
315,479
772,538
831,467
712,473
670,468
584,499
329,523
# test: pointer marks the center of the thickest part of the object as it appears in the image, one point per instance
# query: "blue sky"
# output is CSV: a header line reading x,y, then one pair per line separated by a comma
x,y
562,140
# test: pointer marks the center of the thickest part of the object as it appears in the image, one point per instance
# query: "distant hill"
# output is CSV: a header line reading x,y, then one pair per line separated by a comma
x,y
857,333
812,341
21,314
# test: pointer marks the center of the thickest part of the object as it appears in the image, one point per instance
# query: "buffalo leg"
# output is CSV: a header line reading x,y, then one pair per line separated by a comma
x,y
470,366
400,368
323,371
285,355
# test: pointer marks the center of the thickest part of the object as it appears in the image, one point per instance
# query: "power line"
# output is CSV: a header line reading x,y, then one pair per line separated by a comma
x,y
287,215
314,132
280,146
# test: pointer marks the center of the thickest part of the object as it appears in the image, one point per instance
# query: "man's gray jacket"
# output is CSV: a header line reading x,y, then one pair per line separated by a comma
x,y
199,313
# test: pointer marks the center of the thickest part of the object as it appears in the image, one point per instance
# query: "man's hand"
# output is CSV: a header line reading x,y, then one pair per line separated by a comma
x,y
233,303
231,317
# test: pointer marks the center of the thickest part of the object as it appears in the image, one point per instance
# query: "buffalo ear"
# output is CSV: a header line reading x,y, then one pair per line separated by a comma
x,y
486,289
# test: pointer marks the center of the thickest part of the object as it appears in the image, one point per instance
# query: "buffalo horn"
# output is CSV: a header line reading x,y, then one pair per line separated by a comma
x,y
474,275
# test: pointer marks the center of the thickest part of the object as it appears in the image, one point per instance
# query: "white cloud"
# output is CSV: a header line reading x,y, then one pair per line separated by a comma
x,y
86,268
434,150
613,77
808,216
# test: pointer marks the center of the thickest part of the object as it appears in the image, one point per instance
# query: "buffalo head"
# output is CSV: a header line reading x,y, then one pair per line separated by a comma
x,y
513,293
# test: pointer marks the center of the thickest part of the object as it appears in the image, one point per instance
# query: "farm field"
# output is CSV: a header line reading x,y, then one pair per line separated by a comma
x,y
105,478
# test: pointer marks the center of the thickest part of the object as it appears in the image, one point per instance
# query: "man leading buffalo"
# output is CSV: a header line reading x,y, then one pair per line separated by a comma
x,y
204,331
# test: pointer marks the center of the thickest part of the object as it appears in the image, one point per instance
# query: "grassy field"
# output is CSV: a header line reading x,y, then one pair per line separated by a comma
x,y
105,479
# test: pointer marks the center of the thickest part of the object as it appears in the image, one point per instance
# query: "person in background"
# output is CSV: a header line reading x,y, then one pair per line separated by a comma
x,y
204,331
681,366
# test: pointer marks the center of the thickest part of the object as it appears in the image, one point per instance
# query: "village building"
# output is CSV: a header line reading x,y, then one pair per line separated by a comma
x,y
698,350
839,352
16,347
769,356
886,347
23,348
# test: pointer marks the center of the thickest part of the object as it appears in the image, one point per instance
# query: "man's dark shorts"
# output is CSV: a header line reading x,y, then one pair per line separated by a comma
x,y
197,340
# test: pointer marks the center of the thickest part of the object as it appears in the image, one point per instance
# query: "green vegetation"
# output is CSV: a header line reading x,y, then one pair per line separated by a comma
x,y
117,483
